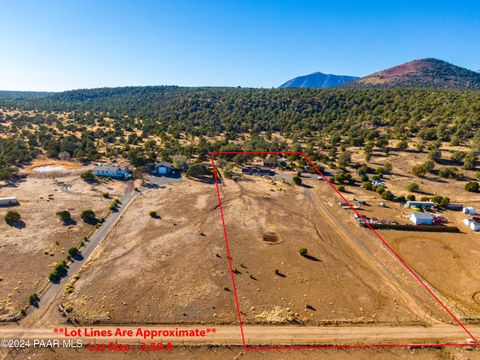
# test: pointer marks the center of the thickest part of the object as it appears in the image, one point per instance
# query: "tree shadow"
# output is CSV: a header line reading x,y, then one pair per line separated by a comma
x,y
78,257
91,221
70,222
19,224
312,258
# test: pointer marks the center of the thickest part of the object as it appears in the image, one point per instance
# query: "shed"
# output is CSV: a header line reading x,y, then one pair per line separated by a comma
x,y
469,210
8,201
419,218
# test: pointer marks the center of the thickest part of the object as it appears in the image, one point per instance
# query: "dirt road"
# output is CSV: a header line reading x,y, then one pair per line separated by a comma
x,y
265,335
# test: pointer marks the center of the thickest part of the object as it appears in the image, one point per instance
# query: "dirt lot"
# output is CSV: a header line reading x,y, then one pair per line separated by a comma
x,y
233,353
29,250
174,268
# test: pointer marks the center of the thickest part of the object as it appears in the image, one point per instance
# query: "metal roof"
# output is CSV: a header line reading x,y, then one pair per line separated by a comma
x,y
422,216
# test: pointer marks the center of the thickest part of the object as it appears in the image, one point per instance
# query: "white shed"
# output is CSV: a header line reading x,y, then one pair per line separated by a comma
x,y
8,201
472,224
419,218
469,210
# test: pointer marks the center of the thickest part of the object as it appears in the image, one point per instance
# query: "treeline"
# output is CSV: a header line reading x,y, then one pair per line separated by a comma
x,y
431,114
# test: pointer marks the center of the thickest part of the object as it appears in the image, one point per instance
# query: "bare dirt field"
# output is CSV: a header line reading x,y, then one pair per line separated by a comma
x,y
174,268
28,250
235,353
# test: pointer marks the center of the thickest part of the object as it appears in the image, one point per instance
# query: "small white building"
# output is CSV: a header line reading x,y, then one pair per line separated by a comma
x,y
469,210
8,201
419,218
472,224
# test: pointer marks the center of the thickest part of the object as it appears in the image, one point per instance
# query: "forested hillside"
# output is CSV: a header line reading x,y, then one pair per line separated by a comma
x,y
209,111
143,124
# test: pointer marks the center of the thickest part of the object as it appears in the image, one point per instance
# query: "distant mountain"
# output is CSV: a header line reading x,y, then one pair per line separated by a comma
x,y
318,80
423,73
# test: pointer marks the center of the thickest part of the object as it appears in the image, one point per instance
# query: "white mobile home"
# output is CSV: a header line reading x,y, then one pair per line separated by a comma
x,y
112,171
8,201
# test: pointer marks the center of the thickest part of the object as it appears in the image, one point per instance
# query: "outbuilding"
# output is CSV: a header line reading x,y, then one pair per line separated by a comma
x,y
8,201
472,224
469,210
419,218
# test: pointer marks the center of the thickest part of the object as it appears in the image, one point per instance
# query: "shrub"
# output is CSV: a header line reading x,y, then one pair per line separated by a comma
x,y
472,186
388,195
64,216
435,155
73,251
341,188
87,215
401,199
448,173
380,189
58,272
470,160
457,156
297,180
302,251
367,185
106,195
153,214
411,197
88,176
413,187
12,217
34,299
387,167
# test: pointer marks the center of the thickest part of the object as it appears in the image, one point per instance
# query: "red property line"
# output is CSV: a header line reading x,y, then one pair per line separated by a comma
x,y
410,270
228,250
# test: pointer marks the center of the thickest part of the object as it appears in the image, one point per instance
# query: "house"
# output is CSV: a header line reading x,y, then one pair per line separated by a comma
x,y
472,224
469,210
8,201
419,204
257,170
421,218
270,162
112,171
163,169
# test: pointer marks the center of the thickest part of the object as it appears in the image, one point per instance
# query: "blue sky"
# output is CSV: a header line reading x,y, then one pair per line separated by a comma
x,y
67,44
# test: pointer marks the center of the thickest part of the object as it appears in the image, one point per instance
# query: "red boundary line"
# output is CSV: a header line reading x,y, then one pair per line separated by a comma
x,y
377,235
